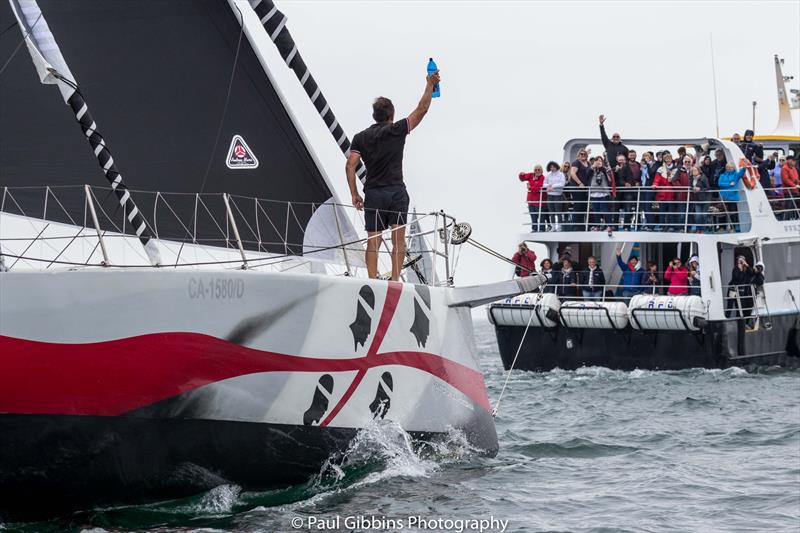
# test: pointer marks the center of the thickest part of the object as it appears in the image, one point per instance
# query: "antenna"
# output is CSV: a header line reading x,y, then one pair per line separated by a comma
x,y
714,78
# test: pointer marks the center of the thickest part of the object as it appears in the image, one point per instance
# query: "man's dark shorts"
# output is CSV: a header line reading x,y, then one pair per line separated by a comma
x,y
385,207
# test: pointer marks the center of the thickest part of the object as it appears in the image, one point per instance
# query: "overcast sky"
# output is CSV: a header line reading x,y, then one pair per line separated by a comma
x,y
521,78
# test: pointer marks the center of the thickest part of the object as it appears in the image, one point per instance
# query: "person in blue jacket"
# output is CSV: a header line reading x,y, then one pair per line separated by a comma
x,y
729,192
632,276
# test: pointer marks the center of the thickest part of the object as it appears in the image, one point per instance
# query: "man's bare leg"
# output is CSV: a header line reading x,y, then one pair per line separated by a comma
x,y
398,250
373,244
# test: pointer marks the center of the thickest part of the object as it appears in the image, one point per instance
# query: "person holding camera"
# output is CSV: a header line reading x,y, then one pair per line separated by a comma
x,y
678,277
652,285
525,260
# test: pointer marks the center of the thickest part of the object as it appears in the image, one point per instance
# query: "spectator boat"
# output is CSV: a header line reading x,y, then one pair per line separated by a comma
x,y
636,321
155,345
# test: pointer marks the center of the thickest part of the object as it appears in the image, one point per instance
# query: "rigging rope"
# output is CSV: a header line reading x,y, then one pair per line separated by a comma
x,y
513,364
498,255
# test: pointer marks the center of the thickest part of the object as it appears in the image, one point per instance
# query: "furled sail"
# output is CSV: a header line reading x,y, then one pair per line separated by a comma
x,y
178,91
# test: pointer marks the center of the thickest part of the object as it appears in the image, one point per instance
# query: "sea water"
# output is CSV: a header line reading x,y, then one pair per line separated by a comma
x,y
592,450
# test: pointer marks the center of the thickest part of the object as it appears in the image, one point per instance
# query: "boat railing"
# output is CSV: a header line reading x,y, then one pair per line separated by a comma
x,y
69,221
617,292
640,209
740,301
785,202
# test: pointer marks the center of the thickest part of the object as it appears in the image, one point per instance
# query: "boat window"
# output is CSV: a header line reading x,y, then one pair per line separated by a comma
x,y
781,261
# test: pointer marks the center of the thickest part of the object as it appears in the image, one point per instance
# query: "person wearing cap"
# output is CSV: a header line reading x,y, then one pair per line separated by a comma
x,y
613,146
694,275
632,275
752,151
554,182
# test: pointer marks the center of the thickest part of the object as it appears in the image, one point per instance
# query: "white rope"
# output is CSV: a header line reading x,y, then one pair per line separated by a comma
x,y
513,363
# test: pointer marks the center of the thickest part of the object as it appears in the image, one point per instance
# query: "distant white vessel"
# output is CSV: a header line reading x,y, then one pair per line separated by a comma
x,y
719,325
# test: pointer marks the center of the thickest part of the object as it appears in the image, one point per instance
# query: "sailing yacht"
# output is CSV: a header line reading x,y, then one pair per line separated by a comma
x,y
182,296
713,317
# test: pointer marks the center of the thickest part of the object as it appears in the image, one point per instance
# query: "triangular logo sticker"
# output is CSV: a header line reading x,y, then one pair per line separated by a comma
x,y
240,156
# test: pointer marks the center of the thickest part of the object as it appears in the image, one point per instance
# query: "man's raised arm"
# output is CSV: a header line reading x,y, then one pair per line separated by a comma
x,y
424,103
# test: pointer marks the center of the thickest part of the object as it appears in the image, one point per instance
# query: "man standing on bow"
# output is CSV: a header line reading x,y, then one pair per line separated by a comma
x,y
386,200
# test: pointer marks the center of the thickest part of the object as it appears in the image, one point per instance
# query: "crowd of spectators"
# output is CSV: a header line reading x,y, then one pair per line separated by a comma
x,y
568,280
657,192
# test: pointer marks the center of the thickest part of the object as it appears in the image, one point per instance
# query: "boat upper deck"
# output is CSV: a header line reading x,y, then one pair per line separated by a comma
x,y
650,209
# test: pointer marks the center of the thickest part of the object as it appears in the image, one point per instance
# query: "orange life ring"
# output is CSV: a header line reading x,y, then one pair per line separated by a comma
x,y
750,177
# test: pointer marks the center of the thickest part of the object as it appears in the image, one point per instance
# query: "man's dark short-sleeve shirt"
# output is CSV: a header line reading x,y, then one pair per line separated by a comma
x,y
381,147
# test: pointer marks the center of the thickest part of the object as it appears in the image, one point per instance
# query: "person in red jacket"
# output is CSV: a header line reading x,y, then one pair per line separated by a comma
x,y
525,261
678,277
665,196
537,198
791,187
672,182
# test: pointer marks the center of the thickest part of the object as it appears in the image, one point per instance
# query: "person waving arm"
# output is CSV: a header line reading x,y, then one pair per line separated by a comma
x,y
424,104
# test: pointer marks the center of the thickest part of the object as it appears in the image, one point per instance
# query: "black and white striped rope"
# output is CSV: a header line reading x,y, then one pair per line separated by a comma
x,y
53,69
109,168
275,23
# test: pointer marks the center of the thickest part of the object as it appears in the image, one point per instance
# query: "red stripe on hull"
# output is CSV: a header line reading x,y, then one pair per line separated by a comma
x,y
113,377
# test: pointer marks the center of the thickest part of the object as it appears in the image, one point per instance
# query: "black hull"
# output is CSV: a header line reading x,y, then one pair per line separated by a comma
x,y
722,344
77,462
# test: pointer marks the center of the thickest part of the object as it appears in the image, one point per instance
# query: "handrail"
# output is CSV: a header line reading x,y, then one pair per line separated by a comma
x,y
645,208
232,222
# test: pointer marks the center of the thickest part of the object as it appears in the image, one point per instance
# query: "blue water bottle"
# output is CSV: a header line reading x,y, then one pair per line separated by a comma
x,y
431,69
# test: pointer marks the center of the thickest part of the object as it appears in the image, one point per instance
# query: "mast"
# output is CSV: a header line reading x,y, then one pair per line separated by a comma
x,y
785,125
53,70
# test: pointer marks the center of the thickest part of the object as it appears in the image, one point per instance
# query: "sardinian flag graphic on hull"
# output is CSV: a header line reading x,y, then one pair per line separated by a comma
x,y
240,155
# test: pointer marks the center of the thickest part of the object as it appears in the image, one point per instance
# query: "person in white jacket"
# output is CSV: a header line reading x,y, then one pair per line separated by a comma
x,y
554,182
